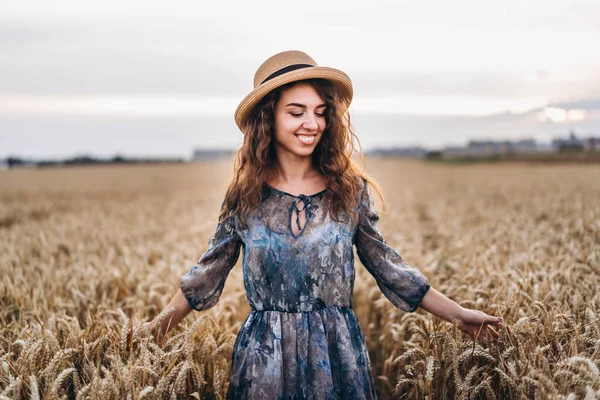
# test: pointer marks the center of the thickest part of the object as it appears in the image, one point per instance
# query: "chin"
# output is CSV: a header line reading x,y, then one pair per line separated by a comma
x,y
304,152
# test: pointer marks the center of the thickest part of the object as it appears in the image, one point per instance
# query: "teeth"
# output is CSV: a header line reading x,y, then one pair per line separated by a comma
x,y
306,139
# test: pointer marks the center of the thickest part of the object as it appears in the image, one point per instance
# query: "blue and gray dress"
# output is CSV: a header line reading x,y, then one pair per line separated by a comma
x,y
301,339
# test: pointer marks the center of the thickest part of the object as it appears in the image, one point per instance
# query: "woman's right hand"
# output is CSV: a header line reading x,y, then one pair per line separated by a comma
x,y
175,311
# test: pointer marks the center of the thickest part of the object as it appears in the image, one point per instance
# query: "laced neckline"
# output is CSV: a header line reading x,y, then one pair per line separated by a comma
x,y
307,207
296,196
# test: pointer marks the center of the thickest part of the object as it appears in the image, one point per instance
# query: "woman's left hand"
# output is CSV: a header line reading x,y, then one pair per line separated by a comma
x,y
478,324
473,322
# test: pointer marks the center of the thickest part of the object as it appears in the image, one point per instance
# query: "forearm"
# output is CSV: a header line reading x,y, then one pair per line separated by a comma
x,y
441,306
182,308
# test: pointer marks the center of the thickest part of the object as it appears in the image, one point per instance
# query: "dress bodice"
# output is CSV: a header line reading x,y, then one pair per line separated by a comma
x,y
315,268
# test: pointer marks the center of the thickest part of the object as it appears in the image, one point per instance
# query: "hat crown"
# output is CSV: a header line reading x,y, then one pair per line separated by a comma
x,y
279,61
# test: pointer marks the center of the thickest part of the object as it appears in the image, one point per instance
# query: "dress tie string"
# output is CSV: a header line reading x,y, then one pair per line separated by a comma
x,y
308,206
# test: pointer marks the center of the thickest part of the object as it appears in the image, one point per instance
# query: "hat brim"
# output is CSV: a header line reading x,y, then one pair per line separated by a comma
x,y
339,79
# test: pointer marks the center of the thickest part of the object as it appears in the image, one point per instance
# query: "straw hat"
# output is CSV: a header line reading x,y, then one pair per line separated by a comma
x,y
286,67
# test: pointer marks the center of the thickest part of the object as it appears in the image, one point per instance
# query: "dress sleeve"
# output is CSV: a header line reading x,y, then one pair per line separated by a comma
x,y
203,284
403,285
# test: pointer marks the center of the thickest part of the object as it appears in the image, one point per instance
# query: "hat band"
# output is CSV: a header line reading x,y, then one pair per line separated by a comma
x,y
283,70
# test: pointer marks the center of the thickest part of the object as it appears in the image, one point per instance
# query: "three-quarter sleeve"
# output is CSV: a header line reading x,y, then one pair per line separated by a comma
x,y
203,284
403,285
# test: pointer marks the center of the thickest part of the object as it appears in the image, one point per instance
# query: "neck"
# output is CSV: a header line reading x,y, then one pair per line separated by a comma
x,y
290,168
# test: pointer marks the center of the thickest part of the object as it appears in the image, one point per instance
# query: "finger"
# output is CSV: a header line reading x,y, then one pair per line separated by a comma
x,y
493,319
493,332
496,324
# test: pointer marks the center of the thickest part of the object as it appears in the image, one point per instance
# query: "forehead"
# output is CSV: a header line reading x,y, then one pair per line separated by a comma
x,y
302,93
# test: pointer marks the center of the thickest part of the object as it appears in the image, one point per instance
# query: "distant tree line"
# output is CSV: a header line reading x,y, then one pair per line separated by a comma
x,y
12,162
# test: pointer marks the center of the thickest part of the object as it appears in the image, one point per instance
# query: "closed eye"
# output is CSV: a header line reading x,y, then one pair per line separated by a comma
x,y
300,114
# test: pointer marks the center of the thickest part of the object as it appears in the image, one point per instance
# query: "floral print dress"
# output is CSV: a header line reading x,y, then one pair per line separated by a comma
x,y
301,339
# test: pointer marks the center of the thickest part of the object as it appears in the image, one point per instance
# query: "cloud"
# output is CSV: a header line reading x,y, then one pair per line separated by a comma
x,y
117,106
146,67
584,104
445,105
100,51
195,106
569,112
52,137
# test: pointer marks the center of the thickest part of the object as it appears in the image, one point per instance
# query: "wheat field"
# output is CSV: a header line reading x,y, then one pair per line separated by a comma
x,y
89,253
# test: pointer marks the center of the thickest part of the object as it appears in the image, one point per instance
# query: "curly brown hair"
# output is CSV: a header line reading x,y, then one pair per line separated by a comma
x,y
337,156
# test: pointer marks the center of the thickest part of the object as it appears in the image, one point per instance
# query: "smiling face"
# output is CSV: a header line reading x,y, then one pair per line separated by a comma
x,y
299,120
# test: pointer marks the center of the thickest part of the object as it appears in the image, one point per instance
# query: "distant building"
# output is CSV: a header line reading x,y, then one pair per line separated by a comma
x,y
491,148
204,154
487,147
525,146
405,152
482,148
455,151
545,148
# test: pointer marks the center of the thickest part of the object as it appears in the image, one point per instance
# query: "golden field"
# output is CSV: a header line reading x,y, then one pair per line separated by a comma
x,y
88,253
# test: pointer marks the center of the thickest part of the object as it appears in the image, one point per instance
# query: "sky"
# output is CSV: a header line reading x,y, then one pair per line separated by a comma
x,y
156,78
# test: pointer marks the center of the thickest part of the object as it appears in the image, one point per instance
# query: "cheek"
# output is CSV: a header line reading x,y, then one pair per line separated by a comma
x,y
279,127
322,124
286,126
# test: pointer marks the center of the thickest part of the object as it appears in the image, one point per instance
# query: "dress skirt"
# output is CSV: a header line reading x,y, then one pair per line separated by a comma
x,y
319,354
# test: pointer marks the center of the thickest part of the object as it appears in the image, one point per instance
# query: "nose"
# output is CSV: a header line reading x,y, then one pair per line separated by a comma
x,y
311,122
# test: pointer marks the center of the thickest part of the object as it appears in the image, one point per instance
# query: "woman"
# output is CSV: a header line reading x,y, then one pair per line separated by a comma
x,y
298,204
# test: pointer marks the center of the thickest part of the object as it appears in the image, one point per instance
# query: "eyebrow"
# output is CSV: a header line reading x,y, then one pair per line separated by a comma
x,y
304,106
